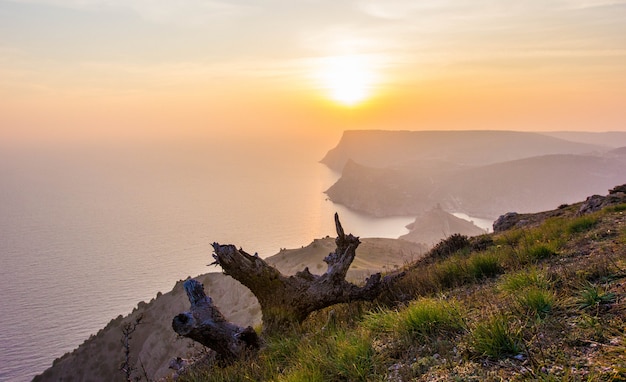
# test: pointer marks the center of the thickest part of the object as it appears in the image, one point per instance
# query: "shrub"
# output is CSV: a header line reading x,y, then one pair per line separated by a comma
x,y
481,242
450,245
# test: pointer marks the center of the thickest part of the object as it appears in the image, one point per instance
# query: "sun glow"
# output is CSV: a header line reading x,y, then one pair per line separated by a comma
x,y
347,79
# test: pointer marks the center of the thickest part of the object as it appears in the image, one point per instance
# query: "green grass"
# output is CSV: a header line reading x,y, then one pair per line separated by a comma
x,y
538,302
551,293
616,208
496,338
428,316
530,277
540,251
484,264
582,224
423,318
450,272
343,356
592,296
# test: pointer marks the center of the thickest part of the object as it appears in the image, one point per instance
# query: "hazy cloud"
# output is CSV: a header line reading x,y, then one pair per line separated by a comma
x,y
182,12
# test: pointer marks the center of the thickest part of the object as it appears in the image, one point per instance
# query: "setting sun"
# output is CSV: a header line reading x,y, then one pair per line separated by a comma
x,y
347,79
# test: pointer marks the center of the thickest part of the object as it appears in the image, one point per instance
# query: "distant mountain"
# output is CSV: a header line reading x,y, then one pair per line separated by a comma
x,y
530,185
155,343
619,152
607,138
376,148
436,224
524,185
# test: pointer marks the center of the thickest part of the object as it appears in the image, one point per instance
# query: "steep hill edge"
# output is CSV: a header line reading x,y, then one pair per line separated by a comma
x,y
154,344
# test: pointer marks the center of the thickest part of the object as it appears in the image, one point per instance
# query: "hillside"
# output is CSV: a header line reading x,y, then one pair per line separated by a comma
x,y
541,299
154,344
436,224
529,185
375,148
607,139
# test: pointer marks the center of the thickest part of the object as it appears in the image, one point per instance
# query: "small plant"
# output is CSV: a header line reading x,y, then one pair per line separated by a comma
x,y
525,279
429,316
540,251
495,338
617,208
538,302
343,356
511,238
582,224
353,359
381,320
484,265
592,296
451,272
127,332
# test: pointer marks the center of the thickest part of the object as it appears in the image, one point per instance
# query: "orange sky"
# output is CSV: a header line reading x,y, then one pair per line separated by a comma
x,y
95,70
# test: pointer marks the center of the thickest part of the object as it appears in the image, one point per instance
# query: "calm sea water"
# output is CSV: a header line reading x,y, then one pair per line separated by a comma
x,y
87,233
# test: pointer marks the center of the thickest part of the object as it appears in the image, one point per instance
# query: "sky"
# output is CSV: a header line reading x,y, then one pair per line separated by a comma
x,y
124,70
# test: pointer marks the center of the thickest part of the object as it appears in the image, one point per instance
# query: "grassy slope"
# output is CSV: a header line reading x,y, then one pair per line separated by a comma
x,y
154,343
543,302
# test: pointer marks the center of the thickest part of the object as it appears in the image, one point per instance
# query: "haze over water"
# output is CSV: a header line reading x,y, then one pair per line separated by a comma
x,y
88,233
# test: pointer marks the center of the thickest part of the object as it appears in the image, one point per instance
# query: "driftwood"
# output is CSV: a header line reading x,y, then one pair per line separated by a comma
x,y
205,324
286,300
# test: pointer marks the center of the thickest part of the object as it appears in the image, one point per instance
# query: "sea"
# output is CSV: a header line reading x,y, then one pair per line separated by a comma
x,y
88,231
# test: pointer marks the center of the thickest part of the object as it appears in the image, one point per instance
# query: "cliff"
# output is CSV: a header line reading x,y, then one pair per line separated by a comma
x,y
436,224
466,175
377,148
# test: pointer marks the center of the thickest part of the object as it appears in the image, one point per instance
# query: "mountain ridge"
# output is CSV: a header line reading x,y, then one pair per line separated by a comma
x,y
389,187
382,148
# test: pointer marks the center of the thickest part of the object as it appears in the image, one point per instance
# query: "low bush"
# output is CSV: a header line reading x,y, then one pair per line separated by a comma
x,y
450,245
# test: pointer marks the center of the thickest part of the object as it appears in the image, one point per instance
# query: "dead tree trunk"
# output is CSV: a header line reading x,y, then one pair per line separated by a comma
x,y
286,300
205,324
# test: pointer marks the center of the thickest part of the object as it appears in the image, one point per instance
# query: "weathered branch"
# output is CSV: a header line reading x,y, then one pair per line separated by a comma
x,y
205,324
286,300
